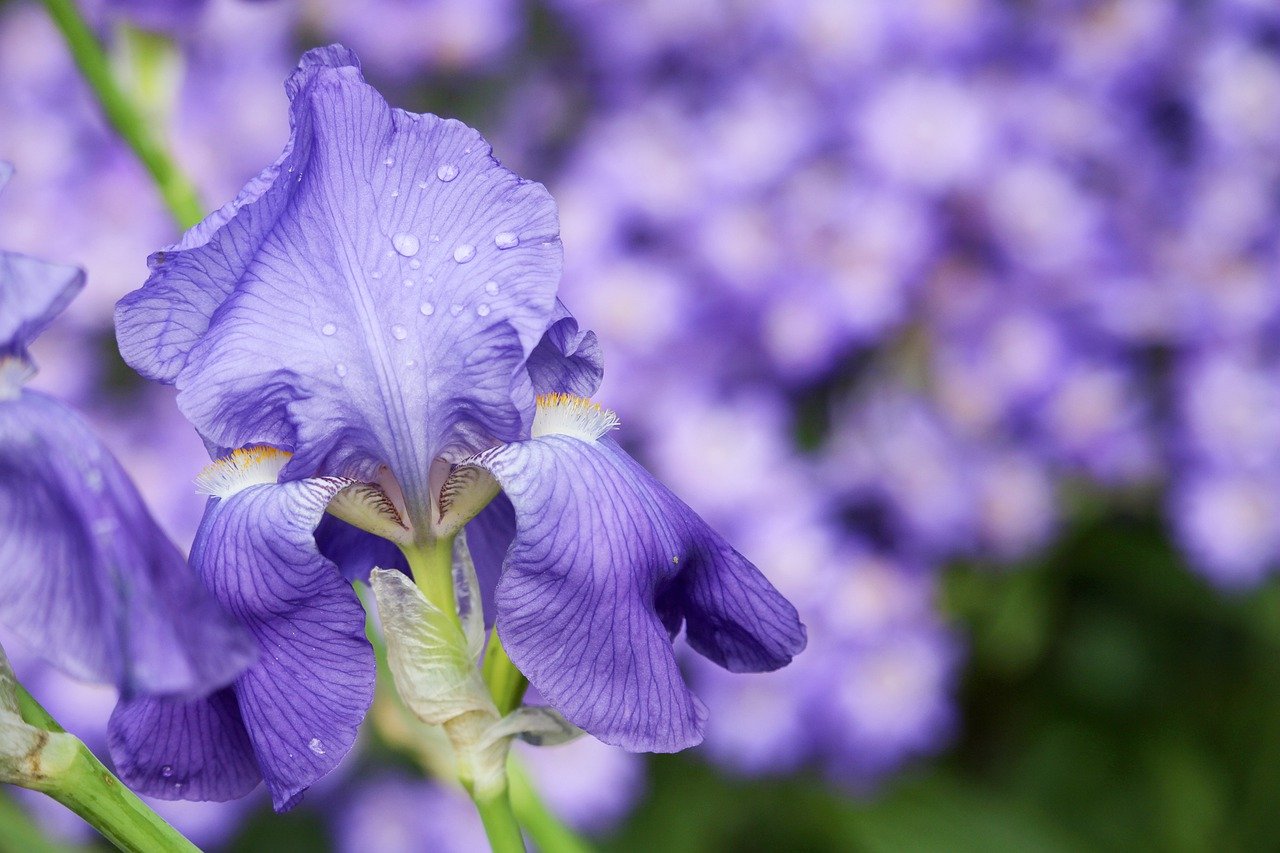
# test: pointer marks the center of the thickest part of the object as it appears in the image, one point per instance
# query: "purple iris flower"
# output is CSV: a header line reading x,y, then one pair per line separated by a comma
x,y
89,579
380,305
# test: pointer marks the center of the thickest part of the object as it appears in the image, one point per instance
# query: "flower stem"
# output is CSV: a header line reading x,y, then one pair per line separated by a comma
x,y
500,823
546,830
90,790
506,683
432,567
123,114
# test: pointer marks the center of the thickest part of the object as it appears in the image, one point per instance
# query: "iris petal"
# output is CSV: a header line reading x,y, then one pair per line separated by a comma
x,y
567,360
370,249
183,750
303,700
89,578
599,543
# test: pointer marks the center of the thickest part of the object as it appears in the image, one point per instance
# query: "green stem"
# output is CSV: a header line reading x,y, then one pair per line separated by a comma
x,y
90,790
432,567
546,830
123,114
500,823
506,683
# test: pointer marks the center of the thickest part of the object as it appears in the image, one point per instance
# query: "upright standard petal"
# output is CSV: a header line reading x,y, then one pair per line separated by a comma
x,y
89,580
302,703
369,299
567,360
605,565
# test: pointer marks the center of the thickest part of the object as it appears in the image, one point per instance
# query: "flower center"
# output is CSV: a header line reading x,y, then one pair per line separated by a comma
x,y
569,414
248,466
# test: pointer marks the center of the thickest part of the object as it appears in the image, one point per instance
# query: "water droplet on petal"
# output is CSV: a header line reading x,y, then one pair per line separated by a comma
x,y
455,309
415,264
447,172
316,746
389,161
506,240
166,771
464,253
328,329
422,185
491,288
405,244
340,368
482,310
395,193
435,238
427,309
399,332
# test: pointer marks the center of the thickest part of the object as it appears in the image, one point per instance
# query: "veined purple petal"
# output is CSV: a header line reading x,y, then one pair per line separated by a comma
x,y
302,702
354,304
600,548
567,360
356,552
172,749
89,580
489,535
304,699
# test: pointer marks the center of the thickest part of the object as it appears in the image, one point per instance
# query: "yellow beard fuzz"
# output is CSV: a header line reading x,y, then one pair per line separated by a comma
x,y
247,466
569,414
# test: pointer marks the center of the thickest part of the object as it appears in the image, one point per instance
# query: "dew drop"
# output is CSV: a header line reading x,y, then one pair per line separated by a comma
x,y
395,193
506,240
422,185
447,172
389,161
455,309
435,238
340,368
491,288
399,332
328,329
316,746
427,309
166,771
464,253
415,264
482,310
406,244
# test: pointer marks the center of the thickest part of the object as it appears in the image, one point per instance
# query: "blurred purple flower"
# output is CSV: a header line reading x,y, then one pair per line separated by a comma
x,y
92,582
395,814
400,38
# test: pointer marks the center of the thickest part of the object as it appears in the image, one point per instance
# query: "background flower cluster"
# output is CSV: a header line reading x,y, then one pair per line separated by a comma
x,y
958,317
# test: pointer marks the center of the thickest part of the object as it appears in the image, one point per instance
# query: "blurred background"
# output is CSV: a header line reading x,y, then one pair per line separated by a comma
x,y
958,317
